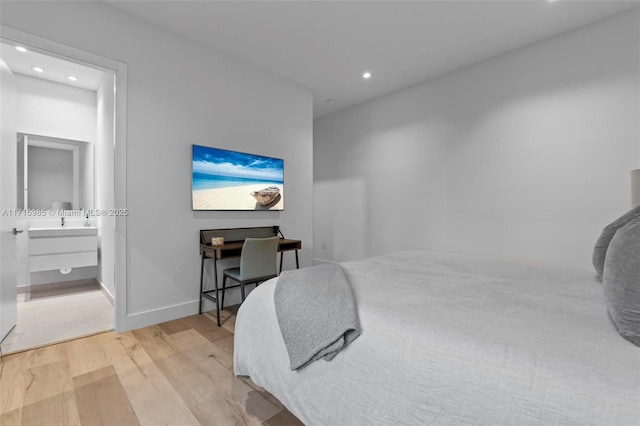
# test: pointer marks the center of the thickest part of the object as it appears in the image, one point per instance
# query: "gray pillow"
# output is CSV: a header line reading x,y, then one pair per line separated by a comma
x,y
600,250
621,281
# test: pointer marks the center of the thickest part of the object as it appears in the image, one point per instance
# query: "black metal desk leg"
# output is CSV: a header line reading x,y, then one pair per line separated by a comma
x,y
281,257
297,263
215,275
201,282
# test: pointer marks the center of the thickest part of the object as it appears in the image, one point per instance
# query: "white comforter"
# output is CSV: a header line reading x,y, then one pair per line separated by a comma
x,y
450,339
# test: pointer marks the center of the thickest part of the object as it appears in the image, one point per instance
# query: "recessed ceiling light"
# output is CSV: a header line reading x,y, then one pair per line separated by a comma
x,y
37,69
21,49
72,78
366,75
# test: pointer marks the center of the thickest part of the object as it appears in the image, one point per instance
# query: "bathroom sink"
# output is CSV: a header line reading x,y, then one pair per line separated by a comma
x,y
63,232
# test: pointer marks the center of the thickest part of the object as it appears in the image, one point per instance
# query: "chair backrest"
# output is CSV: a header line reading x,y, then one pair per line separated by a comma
x,y
259,258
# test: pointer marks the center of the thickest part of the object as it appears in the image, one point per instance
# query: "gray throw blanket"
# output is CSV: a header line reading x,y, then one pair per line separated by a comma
x,y
316,313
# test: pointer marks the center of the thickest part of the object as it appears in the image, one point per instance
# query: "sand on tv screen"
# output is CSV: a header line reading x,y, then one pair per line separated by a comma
x,y
230,180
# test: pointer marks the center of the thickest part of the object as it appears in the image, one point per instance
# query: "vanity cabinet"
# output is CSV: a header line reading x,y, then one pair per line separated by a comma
x,y
62,248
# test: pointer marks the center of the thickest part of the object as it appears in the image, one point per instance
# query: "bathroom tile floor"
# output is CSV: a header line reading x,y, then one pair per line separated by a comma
x,y
48,316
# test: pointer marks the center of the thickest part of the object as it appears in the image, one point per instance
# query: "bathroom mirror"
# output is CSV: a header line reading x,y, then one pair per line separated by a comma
x,y
54,173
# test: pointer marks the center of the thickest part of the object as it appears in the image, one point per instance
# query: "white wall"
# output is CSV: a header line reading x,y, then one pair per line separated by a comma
x,y
525,155
179,94
105,182
52,109
60,111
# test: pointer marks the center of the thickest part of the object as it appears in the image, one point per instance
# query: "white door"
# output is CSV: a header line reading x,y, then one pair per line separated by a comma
x,y
8,189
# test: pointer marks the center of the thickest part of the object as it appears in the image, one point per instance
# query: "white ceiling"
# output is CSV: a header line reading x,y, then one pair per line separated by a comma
x,y
55,69
326,45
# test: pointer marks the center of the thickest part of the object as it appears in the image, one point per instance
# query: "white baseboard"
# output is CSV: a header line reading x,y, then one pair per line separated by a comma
x,y
107,293
167,313
181,310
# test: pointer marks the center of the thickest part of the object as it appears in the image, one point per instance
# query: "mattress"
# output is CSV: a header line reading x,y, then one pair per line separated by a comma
x,y
455,339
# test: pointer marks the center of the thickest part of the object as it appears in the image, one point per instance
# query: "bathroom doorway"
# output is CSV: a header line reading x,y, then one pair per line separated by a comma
x,y
71,113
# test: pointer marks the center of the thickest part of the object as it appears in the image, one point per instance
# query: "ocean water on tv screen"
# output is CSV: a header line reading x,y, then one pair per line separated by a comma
x,y
205,181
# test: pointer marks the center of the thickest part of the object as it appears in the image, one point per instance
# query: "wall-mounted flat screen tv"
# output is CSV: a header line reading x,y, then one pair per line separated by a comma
x,y
230,180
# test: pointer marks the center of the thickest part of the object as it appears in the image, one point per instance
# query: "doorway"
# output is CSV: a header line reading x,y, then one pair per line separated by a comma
x,y
86,287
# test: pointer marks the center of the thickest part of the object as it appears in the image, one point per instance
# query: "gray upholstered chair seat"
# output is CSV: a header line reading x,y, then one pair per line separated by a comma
x,y
233,273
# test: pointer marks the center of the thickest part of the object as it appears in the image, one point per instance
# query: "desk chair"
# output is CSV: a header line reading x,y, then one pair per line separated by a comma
x,y
257,263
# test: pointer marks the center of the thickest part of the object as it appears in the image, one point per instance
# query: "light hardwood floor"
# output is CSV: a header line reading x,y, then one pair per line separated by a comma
x,y
175,373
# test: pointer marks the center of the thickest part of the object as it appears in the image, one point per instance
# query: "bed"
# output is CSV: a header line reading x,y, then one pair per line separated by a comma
x,y
455,339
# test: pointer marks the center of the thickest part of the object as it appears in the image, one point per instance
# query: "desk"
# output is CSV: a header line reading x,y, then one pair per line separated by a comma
x,y
233,249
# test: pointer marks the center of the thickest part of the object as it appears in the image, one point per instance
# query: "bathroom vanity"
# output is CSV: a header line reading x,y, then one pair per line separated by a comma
x,y
62,248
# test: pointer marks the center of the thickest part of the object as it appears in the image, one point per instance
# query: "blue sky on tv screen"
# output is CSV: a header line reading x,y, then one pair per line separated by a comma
x,y
218,165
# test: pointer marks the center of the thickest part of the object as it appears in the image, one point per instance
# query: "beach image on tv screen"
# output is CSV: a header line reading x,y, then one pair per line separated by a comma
x,y
230,180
